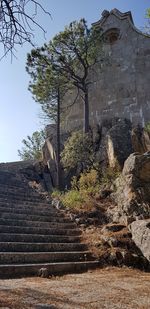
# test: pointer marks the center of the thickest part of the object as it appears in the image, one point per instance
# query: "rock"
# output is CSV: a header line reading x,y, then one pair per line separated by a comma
x,y
134,260
119,144
45,306
140,140
138,166
140,230
113,227
49,152
133,189
110,241
43,272
104,193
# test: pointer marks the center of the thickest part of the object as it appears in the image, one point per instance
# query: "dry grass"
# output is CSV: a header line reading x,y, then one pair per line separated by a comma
x,y
111,288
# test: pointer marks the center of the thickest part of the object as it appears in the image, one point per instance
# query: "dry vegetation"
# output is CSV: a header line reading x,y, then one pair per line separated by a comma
x,y
111,288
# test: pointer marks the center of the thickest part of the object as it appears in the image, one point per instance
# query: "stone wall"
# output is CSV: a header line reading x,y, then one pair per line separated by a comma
x,y
121,87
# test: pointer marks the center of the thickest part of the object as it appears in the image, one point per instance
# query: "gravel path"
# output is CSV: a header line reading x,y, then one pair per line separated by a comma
x,y
111,288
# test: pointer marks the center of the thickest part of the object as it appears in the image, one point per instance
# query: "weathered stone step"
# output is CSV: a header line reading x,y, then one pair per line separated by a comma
x,y
25,196
12,177
14,270
39,207
17,198
24,192
43,257
22,203
35,235
16,216
40,247
13,182
7,237
33,211
37,224
25,188
39,230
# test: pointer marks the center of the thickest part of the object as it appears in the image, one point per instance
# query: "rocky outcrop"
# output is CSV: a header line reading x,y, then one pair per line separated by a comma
x,y
140,140
141,236
119,144
49,151
114,144
113,245
133,189
113,141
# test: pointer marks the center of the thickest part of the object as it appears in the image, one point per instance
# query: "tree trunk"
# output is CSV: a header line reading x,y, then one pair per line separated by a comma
x,y
58,142
86,111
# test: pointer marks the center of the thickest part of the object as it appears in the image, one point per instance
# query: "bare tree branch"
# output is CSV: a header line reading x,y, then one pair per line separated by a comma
x,y
17,23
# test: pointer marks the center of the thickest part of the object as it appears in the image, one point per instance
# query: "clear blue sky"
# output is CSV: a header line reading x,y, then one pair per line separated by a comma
x,y
18,111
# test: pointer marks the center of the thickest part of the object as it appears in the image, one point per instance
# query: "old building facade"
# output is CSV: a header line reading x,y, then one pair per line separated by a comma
x,y
121,87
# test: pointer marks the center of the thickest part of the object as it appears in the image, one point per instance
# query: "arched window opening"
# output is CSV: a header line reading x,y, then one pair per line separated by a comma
x,y
111,35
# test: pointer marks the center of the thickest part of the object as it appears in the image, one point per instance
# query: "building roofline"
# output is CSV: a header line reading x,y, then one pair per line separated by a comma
x,y
121,16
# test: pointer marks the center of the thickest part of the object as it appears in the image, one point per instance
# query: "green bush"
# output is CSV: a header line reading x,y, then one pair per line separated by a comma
x,y
78,150
56,194
109,175
88,183
72,199
81,190
84,189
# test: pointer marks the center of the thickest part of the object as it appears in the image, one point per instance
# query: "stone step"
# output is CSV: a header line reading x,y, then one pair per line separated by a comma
x,y
22,270
39,207
42,205
7,237
13,192
40,247
33,217
10,177
26,188
35,235
43,257
39,230
37,224
33,211
15,199
13,182
18,195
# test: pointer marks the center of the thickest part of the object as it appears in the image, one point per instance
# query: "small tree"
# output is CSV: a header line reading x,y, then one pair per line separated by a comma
x,y
32,146
72,53
48,88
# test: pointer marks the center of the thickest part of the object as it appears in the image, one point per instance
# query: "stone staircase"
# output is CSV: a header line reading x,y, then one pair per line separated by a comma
x,y
35,235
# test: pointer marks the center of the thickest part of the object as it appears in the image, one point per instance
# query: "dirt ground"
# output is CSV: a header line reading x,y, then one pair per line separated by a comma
x,y
109,288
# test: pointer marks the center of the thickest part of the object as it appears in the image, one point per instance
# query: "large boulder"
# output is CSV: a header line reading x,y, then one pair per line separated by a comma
x,y
49,151
141,236
133,189
119,143
140,139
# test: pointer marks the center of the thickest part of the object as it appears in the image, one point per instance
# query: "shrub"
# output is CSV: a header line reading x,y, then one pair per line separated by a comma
x,y
78,150
84,189
88,183
56,194
72,199
109,175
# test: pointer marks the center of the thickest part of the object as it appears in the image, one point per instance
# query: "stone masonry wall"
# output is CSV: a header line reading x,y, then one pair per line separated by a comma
x,y
121,88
